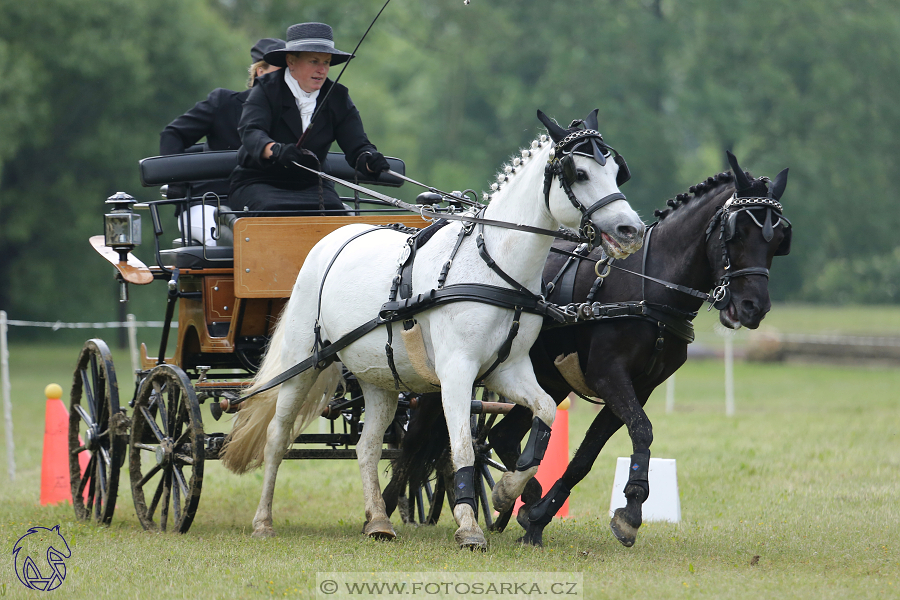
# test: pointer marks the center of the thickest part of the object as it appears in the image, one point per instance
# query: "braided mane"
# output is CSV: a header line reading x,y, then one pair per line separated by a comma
x,y
515,163
700,189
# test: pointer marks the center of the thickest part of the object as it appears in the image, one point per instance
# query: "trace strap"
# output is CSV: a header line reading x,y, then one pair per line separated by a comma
x,y
400,310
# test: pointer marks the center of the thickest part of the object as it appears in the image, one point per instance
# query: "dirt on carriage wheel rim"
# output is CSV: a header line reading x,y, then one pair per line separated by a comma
x,y
94,379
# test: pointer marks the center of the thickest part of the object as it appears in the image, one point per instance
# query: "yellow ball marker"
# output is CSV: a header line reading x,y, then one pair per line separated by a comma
x,y
53,391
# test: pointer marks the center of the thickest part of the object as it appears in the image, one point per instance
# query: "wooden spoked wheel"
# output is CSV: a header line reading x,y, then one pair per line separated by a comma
x,y
97,428
426,502
167,453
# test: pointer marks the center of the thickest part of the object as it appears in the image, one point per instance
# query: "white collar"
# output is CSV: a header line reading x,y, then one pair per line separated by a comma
x,y
306,101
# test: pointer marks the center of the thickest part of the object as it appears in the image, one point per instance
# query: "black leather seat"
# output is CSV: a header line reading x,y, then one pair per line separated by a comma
x,y
191,257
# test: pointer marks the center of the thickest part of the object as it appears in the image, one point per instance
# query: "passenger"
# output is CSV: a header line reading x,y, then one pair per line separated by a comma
x,y
216,119
276,114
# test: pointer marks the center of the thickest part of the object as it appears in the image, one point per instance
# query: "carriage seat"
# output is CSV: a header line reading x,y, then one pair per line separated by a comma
x,y
218,165
191,257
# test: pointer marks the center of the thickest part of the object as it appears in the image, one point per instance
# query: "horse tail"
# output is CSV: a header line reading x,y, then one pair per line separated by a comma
x,y
424,443
244,448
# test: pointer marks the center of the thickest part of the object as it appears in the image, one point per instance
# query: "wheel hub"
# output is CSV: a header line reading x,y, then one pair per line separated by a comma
x,y
91,441
164,452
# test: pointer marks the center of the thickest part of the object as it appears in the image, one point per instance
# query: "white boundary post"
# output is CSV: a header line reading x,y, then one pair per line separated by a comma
x,y
729,374
5,387
131,324
670,394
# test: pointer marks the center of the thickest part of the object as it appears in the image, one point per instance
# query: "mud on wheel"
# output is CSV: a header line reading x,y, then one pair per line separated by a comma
x,y
98,427
167,451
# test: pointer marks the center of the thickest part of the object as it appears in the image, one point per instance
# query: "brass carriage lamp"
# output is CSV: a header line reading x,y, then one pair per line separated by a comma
x,y
121,226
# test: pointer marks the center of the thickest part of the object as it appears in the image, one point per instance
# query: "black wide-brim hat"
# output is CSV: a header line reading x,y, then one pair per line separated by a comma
x,y
308,37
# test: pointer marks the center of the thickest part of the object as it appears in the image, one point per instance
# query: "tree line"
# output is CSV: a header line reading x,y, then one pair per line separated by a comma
x,y
453,90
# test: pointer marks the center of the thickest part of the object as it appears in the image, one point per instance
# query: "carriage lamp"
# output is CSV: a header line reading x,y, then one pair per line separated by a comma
x,y
121,226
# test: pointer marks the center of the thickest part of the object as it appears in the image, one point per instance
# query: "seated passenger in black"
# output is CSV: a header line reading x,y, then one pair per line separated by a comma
x,y
216,119
279,109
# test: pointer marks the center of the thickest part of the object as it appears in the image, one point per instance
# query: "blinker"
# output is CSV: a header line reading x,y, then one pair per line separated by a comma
x,y
598,153
624,173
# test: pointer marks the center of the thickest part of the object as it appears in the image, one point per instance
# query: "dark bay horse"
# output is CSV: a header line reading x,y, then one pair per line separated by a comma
x,y
721,236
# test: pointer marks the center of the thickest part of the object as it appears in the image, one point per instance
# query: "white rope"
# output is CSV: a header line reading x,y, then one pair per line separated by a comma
x,y
56,325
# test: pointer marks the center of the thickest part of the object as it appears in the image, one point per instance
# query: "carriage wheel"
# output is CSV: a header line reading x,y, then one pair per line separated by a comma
x,y
167,451
99,428
427,502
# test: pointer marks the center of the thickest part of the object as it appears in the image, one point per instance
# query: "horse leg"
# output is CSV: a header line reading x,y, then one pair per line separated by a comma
x,y
605,424
518,383
381,406
278,439
504,438
457,377
630,410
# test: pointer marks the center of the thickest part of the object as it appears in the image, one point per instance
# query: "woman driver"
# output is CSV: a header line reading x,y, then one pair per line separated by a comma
x,y
276,114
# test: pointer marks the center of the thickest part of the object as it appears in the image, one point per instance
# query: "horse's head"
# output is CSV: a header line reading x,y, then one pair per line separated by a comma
x,y
587,196
742,239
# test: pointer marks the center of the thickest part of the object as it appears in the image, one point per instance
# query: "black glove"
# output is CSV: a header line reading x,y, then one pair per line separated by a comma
x,y
287,154
376,162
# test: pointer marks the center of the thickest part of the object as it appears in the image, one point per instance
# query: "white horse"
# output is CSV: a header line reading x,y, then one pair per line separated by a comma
x,y
461,339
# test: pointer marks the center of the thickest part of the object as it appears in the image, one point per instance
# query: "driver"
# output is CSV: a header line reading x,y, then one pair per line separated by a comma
x,y
278,111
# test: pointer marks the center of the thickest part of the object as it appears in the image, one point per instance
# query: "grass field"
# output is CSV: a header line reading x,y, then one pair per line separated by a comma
x,y
806,476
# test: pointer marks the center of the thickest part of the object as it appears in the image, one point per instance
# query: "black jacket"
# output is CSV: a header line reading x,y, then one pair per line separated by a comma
x,y
216,118
271,115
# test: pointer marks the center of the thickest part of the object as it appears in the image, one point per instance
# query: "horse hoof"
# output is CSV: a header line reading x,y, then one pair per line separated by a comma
x,y
471,539
622,529
530,540
263,532
522,516
502,498
379,529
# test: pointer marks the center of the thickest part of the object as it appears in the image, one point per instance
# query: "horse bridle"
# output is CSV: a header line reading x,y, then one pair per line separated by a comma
x,y
726,219
562,164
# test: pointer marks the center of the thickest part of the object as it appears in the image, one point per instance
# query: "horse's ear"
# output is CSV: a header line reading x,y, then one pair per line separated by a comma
x,y
556,132
776,189
740,178
590,122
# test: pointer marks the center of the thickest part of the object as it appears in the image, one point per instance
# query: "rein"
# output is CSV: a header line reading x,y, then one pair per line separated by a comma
x,y
431,215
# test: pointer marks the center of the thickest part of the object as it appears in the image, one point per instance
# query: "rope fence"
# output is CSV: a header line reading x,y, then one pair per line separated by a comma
x,y
131,324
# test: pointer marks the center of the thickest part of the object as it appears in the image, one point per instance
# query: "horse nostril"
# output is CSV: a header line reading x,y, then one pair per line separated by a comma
x,y
749,307
626,231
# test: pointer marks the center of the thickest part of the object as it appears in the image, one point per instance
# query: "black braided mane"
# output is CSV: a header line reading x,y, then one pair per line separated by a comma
x,y
707,185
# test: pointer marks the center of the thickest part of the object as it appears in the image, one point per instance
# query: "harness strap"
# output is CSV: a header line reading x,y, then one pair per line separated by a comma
x,y
325,355
503,352
402,309
489,261
463,233
644,258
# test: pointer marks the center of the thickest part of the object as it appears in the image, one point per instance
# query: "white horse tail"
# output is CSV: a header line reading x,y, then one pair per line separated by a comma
x,y
244,447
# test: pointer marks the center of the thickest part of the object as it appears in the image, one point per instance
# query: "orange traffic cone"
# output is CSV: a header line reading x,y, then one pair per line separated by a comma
x,y
55,483
556,459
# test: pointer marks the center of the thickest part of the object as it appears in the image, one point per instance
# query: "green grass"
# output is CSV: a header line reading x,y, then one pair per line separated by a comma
x,y
806,476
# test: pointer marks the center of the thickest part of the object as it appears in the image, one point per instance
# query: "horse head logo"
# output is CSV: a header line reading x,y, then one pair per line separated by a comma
x,y
38,545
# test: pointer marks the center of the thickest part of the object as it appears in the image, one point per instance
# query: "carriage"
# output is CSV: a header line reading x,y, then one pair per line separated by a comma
x,y
228,299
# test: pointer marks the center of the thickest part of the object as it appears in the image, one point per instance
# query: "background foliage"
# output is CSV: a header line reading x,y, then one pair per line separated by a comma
x,y
810,84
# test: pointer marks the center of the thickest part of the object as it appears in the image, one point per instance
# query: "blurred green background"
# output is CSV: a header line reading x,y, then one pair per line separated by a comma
x,y
812,85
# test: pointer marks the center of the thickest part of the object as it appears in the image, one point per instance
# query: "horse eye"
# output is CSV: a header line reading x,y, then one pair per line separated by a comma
x,y
581,175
